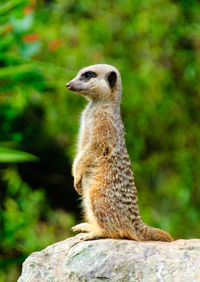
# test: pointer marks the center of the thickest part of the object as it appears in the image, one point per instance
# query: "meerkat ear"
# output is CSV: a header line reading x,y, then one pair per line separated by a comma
x,y
112,78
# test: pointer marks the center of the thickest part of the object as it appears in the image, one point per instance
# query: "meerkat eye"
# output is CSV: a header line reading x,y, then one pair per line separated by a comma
x,y
87,75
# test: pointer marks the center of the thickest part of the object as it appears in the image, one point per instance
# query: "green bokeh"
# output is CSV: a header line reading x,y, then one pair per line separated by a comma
x,y
156,47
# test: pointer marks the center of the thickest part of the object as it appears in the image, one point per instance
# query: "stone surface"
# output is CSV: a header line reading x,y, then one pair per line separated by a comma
x,y
114,260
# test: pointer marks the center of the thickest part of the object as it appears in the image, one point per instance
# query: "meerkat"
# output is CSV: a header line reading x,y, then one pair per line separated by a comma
x,y
102,169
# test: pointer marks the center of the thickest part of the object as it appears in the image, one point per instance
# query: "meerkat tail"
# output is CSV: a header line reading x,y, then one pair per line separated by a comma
x,y
148,233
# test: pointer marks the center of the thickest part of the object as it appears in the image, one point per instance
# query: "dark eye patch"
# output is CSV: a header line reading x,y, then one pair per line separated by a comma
x,y
87,75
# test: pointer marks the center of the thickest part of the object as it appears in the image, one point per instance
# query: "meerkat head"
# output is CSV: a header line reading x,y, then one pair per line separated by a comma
x,y
98,82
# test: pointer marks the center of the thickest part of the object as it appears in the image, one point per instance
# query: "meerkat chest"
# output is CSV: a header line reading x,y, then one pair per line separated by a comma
x,y
88,117
85,129
86,122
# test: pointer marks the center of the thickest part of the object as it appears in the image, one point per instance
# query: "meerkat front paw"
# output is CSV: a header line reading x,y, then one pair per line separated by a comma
x,y
77,173
78,186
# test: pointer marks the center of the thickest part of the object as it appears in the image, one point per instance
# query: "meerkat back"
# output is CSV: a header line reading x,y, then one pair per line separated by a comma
x,y
102,169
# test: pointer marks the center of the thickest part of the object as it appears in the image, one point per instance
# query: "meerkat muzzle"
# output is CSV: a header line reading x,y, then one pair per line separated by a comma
x,y
73,86
68,85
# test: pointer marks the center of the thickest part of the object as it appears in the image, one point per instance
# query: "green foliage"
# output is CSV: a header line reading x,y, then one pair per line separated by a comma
x,y
23,230
155,45
13,156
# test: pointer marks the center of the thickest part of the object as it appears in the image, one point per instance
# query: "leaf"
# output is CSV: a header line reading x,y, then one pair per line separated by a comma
x,y
16,70
22,25
13,156
9,5
30,49
46,66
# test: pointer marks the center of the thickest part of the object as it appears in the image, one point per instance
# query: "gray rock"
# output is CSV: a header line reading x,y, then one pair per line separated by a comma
x,y
114,260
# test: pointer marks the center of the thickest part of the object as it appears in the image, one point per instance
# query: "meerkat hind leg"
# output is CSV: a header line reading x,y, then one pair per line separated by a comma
x,y
83,227
89,228
91,236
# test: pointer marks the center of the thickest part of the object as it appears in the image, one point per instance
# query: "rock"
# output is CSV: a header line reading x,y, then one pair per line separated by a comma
x,y
114,260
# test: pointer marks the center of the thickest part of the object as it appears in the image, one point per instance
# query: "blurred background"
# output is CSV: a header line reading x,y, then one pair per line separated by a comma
x,y
156,47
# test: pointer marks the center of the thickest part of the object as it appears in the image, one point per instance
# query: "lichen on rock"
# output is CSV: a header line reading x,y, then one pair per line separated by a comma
x,y
114,260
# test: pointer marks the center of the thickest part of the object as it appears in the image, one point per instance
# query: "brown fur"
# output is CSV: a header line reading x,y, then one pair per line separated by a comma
x,y
102,170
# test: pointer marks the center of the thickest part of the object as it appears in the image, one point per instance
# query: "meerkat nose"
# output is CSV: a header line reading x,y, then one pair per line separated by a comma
x,y
68,85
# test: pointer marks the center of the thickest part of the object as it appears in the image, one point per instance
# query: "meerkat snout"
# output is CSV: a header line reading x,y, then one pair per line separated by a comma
x,y
68,85
71,87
